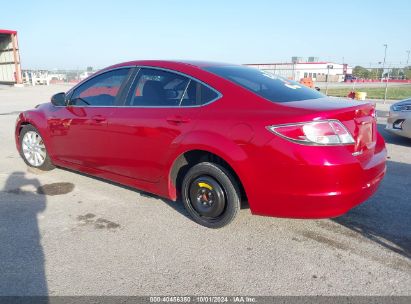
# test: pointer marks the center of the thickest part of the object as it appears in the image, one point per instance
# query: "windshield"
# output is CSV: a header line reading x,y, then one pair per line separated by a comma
x,y
265,84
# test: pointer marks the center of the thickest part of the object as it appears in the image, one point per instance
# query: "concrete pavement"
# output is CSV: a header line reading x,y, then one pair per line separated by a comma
x,y
64,233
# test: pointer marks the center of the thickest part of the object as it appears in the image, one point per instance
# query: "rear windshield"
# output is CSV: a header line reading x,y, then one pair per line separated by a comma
x,y
265,84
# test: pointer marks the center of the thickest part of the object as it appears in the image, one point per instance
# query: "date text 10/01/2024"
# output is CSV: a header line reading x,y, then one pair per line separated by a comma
x,y
202,299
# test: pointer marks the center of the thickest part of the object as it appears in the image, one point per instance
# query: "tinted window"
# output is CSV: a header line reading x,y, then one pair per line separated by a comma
x,y
264,84
157,88
198,94
101,90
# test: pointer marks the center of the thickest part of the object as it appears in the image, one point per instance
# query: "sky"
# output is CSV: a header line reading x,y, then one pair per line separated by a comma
x,y
76,34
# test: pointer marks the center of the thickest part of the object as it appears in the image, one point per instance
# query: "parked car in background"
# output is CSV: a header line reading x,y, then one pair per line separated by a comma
x,y
399,118
350,78
212,135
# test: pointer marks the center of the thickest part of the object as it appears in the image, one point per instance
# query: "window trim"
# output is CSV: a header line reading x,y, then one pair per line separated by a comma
x,y
184,93
219,95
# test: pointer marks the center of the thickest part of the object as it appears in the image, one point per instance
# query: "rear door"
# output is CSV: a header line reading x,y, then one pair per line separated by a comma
x,y
162,106
79,130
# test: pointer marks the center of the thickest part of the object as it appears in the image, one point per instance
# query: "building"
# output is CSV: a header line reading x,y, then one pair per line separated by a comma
x,y
316,70
85,74
10,69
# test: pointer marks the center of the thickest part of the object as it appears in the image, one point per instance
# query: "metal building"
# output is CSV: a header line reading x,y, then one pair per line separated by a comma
x,y
10,69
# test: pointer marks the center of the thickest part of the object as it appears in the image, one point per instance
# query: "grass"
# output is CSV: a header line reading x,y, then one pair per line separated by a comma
x,y
395,92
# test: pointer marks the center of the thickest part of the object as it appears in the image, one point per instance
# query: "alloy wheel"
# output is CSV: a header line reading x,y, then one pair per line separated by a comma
x,y
34,149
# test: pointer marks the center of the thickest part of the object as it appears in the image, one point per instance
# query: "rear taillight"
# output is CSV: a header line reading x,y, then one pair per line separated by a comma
x,y
328,132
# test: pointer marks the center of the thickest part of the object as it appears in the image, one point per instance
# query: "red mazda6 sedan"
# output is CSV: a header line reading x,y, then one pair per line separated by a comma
x,y
213,134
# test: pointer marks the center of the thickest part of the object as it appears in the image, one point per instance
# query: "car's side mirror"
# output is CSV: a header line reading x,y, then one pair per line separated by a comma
x,y
59,99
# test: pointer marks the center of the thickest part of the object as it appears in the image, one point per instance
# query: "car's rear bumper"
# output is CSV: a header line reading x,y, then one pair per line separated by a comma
x,y
316,205
304,190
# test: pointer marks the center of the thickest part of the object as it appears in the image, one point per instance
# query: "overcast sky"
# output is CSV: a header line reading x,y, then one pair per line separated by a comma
x,y
75,34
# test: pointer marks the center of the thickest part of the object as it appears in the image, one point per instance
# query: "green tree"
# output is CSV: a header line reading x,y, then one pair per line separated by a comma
x,y
361,72
375,73
407,72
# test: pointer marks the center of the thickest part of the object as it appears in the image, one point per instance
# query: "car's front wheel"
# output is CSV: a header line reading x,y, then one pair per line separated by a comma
x,y
33,150
211,195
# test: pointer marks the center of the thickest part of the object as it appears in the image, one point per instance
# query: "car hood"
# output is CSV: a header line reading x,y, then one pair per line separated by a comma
x,y
408,101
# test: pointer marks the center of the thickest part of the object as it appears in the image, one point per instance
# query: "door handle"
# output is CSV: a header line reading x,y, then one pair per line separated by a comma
x,y
178,120
98,118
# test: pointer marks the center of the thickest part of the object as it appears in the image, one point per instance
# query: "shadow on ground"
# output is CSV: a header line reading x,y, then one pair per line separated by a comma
x,y
177,206
22,269
386,217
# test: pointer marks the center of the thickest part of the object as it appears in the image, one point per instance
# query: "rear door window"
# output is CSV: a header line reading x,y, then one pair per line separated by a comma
x,y
198,94
159,88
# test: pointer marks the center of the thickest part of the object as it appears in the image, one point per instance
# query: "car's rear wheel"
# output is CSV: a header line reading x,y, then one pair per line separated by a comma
x,y
33,149
211,195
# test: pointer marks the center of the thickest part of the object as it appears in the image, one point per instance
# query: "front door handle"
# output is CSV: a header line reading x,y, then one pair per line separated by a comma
x,y
177,120
99,118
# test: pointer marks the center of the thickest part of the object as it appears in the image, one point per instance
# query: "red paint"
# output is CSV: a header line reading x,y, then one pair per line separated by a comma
x,y
7,32
379,80
290,63
138,146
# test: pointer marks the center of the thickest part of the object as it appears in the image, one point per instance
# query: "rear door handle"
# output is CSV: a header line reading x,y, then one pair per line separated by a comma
x,y
178,120
99,118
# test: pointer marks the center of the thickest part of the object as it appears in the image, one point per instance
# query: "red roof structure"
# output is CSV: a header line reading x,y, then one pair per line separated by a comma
x,y
7,32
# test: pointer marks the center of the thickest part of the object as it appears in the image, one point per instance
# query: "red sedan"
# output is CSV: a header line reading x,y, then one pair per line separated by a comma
x,y
214,135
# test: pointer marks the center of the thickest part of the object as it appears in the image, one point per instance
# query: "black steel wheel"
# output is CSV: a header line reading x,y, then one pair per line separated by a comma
x,y
211,195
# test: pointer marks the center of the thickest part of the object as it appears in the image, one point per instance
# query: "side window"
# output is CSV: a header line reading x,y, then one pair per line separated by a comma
x,y
101,90
157,88
197,94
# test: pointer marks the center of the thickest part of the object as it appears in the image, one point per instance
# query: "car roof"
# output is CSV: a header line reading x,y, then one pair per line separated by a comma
x,y
176,63
193,68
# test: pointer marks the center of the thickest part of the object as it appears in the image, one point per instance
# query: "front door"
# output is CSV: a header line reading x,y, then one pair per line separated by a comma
x,y
79,130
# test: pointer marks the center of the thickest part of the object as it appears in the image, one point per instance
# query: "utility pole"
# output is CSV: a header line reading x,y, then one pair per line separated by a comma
x,y
386,87
328,77
383,63
408,56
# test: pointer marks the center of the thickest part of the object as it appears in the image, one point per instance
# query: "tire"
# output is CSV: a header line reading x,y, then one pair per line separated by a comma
x,y
210,195
32,143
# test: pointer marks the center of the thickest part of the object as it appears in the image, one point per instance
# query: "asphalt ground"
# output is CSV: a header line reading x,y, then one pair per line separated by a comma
x,y
64,233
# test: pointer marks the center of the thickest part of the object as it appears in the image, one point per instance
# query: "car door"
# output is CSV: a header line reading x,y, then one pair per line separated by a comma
x,y
79,130
160,108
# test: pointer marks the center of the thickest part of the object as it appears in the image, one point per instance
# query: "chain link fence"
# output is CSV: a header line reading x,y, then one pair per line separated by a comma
x,y
388,83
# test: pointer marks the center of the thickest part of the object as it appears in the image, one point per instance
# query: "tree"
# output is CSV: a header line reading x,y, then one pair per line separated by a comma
x,y
375,73
407,72
361,72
